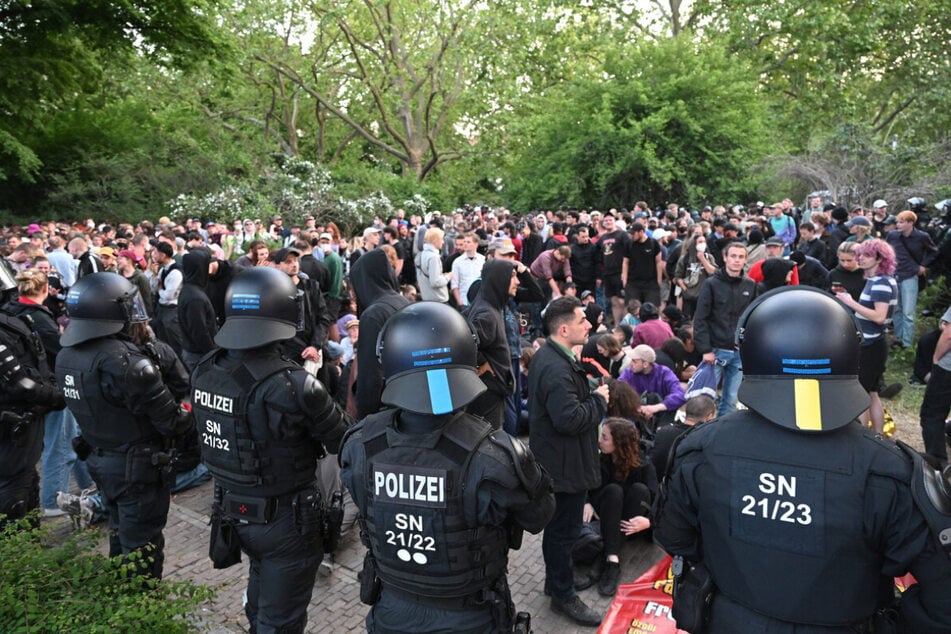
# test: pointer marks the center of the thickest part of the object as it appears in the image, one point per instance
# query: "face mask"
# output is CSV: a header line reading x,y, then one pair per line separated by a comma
x,y
325,247
701,247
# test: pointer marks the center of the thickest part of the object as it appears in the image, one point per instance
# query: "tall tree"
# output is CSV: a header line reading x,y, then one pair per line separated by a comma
x,y
664,123
52,53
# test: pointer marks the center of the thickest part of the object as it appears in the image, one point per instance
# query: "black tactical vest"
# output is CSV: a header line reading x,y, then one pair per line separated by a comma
x,y
415,512
80,373
236,449
19,336
777,500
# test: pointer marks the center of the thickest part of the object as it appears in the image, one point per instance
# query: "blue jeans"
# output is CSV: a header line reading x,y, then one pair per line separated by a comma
x,y
59,459
904,317
730,369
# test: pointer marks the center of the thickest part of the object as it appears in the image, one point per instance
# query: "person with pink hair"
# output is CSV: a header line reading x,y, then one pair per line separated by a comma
x,y
874,310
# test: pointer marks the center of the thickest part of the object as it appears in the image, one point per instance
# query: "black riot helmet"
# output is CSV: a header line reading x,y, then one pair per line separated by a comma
x,y
917,205
428,354
8,280
100,305
944,207
800,352
262,306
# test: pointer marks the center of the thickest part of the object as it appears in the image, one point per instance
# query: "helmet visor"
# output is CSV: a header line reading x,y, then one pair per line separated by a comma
x,y
7,279
299,298
138,314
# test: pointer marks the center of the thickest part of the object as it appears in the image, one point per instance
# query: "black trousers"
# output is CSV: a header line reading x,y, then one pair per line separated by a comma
x,y
282,573
137,512
613,504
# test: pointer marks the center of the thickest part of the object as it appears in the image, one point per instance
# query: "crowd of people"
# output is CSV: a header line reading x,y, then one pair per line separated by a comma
x,y
604,336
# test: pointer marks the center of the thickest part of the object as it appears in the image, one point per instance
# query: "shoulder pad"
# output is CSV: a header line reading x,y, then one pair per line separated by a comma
x,y
528,472
890,460
142,374
313,396
932,495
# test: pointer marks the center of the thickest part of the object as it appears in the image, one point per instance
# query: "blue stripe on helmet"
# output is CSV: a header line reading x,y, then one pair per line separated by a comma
x,y
440,398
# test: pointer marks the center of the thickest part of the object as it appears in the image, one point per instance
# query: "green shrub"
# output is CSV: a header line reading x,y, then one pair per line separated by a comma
x,y
55,585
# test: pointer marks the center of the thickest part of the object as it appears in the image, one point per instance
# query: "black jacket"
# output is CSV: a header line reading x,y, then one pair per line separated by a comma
x,y
485,316
43,325
195,312
378,297
722,300
584,266
564,415
316,320
217,287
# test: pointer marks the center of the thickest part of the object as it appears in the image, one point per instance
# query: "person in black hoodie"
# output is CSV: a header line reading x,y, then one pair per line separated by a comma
x,y
220,275
378,296
485,316
196,315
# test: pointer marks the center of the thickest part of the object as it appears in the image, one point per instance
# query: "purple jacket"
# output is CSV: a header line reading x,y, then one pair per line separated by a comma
x,y
661,380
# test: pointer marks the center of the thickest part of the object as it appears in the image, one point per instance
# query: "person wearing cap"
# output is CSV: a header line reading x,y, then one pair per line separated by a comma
x,y
107,255
437,556
774,249
349,341
278,231
915,251
643,269
433,283
762,494
783,226
860,228
658,381
308,341
263,422
371,240
334,266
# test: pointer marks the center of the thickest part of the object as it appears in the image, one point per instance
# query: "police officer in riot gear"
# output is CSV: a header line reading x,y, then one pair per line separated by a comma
x,y
263,422
127,416
801,515
442,497
917,205
27,392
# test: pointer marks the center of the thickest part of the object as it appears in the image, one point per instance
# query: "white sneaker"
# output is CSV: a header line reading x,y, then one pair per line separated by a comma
x,y
326,567
80,507
53,512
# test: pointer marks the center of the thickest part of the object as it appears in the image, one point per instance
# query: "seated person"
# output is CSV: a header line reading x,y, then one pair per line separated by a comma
x,y
654,382
623,501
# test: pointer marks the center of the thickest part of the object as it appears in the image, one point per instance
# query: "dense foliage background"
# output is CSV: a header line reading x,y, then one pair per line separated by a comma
x,y
132,109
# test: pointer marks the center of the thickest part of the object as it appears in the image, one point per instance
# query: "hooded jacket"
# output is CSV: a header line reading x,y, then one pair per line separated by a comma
x,y
378,297
195,312
486,318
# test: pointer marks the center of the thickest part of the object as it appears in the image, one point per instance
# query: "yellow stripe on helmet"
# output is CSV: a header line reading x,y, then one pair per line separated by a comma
x,y
808,407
